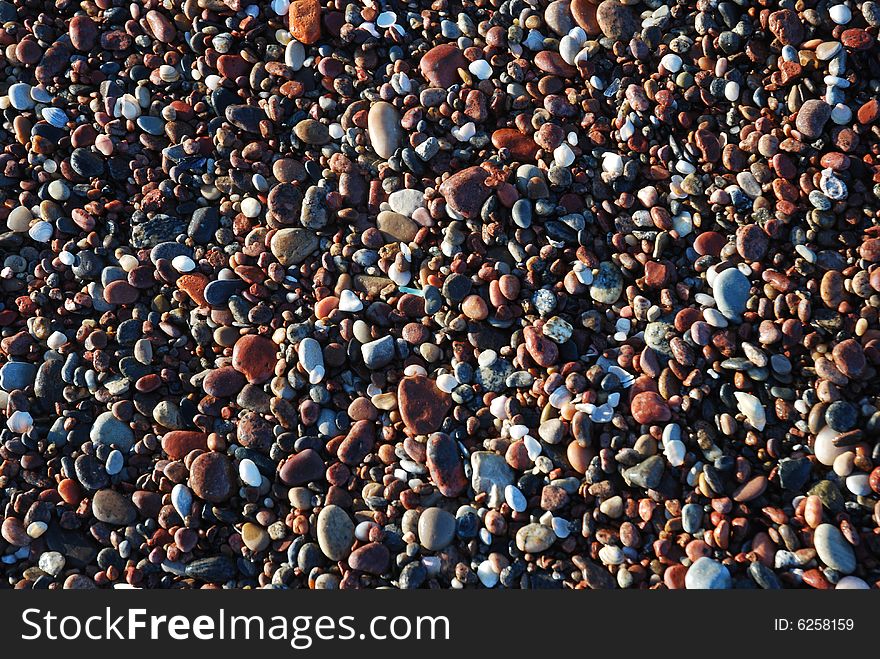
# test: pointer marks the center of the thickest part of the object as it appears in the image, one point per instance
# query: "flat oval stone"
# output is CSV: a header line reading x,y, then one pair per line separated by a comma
x,y
833,549
731,292
292,246
113,507
436,528
422,405
445,465
521,147
109,430
302,468
211,478
383,127
372,558
223,382
335,531
707,574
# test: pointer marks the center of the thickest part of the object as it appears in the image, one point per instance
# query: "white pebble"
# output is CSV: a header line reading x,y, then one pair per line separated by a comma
x,y
281,7
487,575
515,499
533,447
349,301
612,164
497,407
415,369
858,484
19,219
481,69
20,422
852,583
563,155
183,263
671,62
362,530
840,14
36,529
249,474
446,383
41,232
731,90
841,114
386,19
518,431
560,527
675,452
752,408
181,499
487,358
250,207
56,340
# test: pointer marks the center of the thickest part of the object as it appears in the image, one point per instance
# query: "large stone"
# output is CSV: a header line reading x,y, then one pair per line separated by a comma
x,y
707,574
109,430
440,65
466,191
304,20
335,532
211,477
292,246
445,466
616,20
255,357
833,549
730,289
422,405
113,508
436,529
302,468
383,127
608,284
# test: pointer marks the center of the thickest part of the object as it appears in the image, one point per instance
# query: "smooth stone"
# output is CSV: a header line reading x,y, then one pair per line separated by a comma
x,y
383,127
534,538
607,284
445,465
407,201
378,353
335,531
210,477
731,292
109,430
833,549
249,473
436,529
423,407
707,574
113,507
292,246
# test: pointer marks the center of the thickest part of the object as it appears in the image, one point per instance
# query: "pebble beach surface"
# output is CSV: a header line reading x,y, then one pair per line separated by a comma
x,y
501,294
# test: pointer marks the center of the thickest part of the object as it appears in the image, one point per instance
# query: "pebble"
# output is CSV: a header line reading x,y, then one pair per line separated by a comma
x,y
335,532
707,574
833,549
